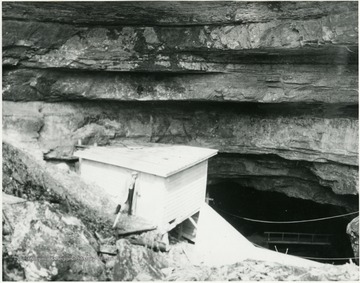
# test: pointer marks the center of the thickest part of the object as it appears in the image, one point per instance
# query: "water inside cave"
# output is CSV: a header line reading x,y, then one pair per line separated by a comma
x,y
233,201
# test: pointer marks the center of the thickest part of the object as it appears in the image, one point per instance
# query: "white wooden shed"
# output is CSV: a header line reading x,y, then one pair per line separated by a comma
x,y
171,179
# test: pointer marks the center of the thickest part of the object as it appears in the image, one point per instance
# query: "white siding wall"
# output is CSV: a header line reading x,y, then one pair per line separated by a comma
x,y
114,180
159,200
185,192
150,198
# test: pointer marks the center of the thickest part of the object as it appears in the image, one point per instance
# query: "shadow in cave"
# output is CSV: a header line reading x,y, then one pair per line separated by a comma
x,y
233,202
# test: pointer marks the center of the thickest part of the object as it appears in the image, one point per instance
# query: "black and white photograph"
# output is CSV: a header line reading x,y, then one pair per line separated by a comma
x,y
180,141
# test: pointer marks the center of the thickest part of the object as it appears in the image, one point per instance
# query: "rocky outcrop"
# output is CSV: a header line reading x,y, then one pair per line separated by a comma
x,y
342,179
353,231
272,85
296,179
32,179
251,83
92,45
225,128
263,271
44,244
171,13
178,48
299,140
144,264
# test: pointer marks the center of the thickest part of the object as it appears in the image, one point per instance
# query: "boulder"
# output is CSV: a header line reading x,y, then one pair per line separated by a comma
x,y
137,263
352,230
46,244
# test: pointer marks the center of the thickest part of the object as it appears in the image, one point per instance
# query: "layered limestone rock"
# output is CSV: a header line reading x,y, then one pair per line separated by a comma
x,y
39,40
296,179
270,84
251,83
171,13
226,128
201,48
57,127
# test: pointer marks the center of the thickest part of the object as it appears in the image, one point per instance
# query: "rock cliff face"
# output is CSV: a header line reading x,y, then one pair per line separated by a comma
x,y
272,85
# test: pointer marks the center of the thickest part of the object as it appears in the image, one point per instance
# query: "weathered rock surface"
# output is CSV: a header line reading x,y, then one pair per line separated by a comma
x,y
264,271
32,179
293,178
225,128
48,245
353,231
104,38
180,48
337,177
252,83
342,179
56,127
137,263
171,13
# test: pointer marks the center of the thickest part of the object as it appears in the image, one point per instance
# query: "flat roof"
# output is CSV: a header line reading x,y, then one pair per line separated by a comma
x,y
159,160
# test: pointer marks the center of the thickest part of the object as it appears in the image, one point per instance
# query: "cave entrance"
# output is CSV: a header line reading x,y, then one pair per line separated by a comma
x,y
235,203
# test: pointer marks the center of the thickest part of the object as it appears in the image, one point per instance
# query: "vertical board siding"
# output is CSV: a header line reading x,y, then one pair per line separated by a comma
x,y
185,192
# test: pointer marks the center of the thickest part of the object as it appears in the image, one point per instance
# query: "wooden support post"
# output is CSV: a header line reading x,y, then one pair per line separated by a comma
x,y
193,222
180,231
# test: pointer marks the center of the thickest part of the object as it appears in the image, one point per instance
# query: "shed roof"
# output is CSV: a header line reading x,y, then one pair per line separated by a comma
x,y
160,160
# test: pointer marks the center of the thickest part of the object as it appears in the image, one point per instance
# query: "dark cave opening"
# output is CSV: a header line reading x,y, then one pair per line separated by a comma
x,y
232,201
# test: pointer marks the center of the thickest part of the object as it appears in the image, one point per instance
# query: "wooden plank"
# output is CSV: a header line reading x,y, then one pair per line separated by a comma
x,y
162,161
189,227
108,249
10,199
130,224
